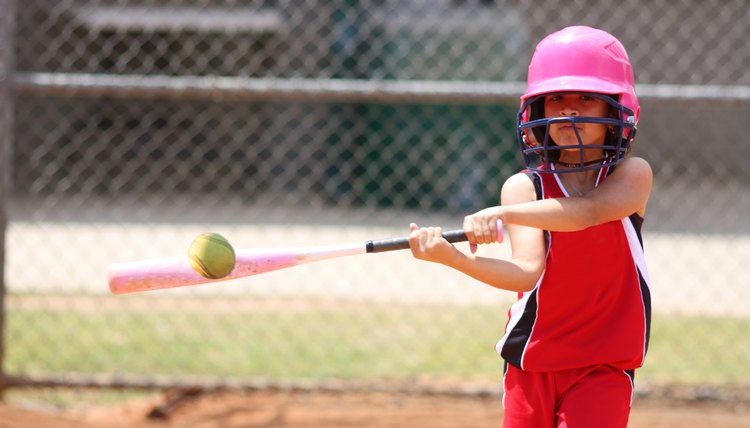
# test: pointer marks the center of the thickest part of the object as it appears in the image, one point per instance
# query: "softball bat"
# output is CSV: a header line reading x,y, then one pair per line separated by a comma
x,y
172,272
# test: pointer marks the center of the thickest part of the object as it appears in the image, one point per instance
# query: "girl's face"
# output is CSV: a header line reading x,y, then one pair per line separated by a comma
x,y
559,105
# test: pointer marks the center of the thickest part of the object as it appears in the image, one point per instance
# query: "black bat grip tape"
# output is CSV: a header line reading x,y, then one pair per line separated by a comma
x,y
391,244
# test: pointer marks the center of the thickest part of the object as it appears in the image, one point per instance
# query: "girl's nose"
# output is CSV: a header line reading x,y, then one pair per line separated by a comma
x,y
568,111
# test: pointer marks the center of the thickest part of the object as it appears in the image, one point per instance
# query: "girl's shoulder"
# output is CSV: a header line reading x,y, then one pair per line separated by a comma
x,y
633,167
636,160
519,187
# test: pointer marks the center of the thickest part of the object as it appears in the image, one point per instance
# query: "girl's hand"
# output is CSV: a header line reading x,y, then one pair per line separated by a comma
x,y
427,243
485,226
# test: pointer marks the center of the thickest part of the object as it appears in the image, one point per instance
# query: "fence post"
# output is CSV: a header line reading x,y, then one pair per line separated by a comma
x,y
7,17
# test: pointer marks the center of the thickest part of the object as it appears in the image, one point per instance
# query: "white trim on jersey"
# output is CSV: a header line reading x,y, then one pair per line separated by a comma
x,y
639,258
636,249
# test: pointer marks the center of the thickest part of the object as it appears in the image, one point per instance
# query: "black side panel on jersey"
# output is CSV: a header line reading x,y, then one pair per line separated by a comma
x,y
519,336
646,296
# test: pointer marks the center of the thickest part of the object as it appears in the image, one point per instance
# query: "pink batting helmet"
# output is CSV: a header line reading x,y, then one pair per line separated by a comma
x,y
579,59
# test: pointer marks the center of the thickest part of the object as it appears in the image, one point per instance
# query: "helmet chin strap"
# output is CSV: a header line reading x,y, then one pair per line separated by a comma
x,y
578,164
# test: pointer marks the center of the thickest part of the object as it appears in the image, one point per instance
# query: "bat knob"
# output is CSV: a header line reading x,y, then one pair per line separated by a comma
x,y
499,230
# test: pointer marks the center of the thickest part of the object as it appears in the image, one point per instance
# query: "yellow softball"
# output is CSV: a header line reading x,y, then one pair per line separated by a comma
x,y
211,255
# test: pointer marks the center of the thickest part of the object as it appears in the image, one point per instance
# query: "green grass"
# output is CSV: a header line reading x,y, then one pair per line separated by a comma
x,y
698,350
365,342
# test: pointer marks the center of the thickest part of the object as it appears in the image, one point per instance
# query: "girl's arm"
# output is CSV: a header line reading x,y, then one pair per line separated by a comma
x,y
624,192
520,273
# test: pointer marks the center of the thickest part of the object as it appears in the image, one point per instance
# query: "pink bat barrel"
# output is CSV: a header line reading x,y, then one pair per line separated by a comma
x,y
171,272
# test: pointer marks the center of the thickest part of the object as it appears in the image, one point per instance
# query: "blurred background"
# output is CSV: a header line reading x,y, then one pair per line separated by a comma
x,y
130,126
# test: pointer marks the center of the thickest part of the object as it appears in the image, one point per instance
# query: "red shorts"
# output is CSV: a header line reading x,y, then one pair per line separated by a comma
x,y
596,396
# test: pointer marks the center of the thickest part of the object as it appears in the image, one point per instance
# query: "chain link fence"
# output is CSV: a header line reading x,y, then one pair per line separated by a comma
x,y
131,126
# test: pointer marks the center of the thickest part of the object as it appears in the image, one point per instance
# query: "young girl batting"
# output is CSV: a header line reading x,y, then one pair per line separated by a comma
x,y
580,326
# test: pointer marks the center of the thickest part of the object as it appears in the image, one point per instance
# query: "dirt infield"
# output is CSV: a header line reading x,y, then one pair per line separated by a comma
x,y
339,410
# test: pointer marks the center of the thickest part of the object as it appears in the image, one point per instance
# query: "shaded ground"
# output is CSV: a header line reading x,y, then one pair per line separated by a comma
x,y
339,410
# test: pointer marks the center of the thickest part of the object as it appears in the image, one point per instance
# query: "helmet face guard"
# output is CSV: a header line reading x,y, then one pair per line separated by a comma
x,y
540,152
578,60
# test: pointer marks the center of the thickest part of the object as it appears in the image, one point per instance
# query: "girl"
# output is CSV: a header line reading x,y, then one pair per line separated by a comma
x,y
580,326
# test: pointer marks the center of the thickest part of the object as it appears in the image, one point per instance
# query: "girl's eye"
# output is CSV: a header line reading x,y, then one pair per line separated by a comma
x,y
586,98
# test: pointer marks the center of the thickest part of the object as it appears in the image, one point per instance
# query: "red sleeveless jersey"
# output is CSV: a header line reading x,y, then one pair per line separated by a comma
x,y
592,303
